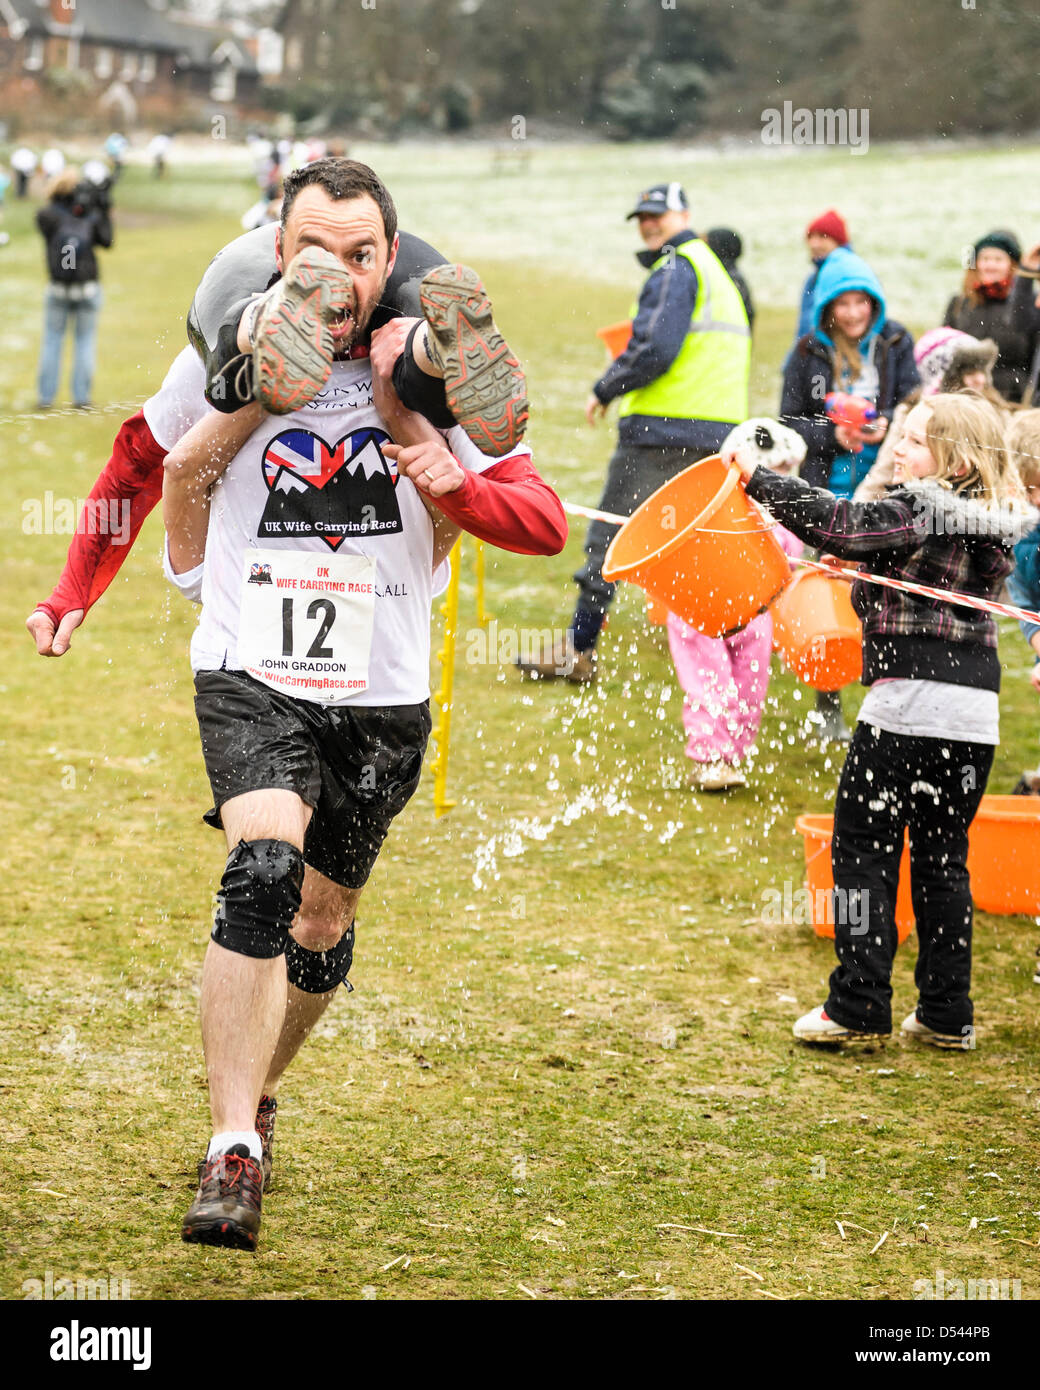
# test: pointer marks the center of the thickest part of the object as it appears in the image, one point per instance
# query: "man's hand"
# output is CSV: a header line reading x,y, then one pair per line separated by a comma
x,y
431,466
594,408
49,642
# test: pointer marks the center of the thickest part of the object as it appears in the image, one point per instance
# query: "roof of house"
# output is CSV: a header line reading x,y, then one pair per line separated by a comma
x,y
140,24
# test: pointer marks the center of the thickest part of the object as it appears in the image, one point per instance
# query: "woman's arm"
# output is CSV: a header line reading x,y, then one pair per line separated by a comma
x,y
126,491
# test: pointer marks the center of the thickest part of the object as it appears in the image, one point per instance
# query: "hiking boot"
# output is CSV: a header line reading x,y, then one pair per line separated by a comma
x,y
561,661
264,1126
951,1042
716,777
293,337
816,1027
226,1209
483,382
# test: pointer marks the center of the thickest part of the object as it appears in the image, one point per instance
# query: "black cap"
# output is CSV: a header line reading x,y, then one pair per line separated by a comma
x,y
662,197
726,244
1000,240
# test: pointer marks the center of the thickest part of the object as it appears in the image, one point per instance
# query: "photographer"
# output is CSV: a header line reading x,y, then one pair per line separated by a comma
x,y
74,221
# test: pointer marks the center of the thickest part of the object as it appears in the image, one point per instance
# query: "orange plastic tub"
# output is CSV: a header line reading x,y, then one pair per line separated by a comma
x,y
1004,855
656,612
1003,861
818,832
616,336
817,631
699,547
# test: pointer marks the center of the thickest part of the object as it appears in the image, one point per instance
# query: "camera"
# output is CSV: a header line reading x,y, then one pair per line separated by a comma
x,y
94,191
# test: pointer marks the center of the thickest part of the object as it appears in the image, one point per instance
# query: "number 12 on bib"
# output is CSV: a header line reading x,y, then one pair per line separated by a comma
x,y
306,623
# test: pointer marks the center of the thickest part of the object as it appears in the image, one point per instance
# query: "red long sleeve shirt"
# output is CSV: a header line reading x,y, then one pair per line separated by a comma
x,y
509,505
133,476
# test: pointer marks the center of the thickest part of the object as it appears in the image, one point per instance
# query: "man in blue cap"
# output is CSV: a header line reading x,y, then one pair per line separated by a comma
x,y
682,383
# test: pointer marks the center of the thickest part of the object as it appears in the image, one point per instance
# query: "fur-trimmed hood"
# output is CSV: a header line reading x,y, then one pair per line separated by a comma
x,y
941,511
978,356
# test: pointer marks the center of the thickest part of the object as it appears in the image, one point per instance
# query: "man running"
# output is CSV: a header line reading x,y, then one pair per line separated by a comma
x,y
311,664
312,658
475,373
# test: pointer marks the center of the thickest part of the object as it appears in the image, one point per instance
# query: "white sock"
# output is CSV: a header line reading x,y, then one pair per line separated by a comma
x,y
220,1143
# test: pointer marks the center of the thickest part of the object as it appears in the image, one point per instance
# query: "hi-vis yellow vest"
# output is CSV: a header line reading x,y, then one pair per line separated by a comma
x,y
709,378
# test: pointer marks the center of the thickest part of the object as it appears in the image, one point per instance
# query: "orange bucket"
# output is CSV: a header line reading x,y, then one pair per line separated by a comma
x,y
818,832
656,613
817,631
616,336
1004,855
700,548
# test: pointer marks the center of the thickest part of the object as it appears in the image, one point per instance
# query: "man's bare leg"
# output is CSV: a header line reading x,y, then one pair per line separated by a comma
x,y
326,912
244,999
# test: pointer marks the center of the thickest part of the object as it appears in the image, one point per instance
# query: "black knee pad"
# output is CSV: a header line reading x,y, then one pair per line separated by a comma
x,y
317,972
259,897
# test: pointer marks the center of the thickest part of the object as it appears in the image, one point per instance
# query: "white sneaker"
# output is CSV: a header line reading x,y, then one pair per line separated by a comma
x,y
716,777
816,1027
952,1042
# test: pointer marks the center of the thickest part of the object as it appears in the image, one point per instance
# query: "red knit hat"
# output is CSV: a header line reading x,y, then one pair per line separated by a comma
x,y
830,223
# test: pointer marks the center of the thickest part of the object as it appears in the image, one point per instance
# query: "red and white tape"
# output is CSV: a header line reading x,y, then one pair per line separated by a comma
x,y
984,605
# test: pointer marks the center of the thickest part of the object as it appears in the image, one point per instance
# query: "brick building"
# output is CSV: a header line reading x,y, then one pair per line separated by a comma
x,y
93,63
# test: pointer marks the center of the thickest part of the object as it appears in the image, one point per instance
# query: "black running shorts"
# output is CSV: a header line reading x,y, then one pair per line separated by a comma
x,y
356,765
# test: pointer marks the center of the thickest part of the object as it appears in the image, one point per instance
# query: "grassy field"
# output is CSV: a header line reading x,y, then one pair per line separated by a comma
x,y
567,1068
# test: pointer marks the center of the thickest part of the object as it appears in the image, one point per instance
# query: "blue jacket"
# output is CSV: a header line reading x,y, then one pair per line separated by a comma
x,y
659,329
1023,583
809,373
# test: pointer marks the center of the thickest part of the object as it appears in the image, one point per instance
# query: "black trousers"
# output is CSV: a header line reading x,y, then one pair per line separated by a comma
x,y
889,783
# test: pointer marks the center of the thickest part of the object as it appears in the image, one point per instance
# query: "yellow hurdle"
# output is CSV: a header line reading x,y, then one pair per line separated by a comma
x,y
446,657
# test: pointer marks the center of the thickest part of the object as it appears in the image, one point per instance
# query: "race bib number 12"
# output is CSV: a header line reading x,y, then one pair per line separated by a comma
x,y
305,623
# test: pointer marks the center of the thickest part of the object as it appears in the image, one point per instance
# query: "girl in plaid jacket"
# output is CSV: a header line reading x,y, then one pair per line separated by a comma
x,y
923,747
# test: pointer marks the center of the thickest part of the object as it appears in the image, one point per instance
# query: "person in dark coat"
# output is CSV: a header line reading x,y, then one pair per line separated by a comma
x,y
872,357
75,221
853,347
997,302
729,248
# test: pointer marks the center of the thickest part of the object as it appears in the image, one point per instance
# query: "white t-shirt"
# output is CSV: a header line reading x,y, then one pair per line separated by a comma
x,y
317,573
933,709
180,402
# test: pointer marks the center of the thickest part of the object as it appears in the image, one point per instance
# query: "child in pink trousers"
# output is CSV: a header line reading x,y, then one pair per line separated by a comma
x,y
725,679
